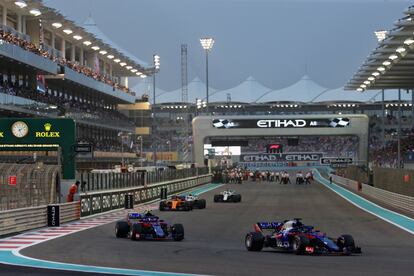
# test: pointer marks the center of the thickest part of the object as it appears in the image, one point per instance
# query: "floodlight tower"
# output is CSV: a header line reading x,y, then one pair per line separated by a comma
x,y
207,44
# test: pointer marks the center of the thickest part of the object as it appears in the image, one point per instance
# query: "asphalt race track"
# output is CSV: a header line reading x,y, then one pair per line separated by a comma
x,y
214,241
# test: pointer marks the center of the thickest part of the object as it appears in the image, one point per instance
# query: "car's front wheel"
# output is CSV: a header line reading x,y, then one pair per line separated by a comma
x,y
346,243
299,244
177,232
121,229
254,241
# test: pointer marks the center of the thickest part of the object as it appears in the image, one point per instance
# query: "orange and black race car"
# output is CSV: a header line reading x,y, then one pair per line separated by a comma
x,y
182,203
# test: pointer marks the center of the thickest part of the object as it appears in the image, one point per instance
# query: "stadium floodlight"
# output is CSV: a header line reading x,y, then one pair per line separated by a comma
x,y
122,64
381,69
87,42
360,89
363,86
386,63
57,25
21,4
95,48
117,60
128,67
35,12
371,78
143,76
77,37
156,62
133,70
393,57
207,44
409,41
376,73
103,52
110,56
381,35
400,50
367,82
138,73
67,31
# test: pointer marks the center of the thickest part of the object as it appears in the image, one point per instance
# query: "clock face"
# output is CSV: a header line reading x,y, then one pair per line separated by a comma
x,y
20,129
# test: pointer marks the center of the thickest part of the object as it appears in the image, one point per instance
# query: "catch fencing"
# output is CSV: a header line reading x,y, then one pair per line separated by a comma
x,y
28,185
108,181
106,200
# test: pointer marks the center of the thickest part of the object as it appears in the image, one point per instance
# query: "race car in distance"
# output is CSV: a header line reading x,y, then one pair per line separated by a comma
x,y
227,196
182,203
146,226
293,236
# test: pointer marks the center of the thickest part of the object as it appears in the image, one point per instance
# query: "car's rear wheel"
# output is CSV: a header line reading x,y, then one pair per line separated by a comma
x,y
136,232
177,232
299,244
162,206
202,203
346,243
218,198
121,229
254,241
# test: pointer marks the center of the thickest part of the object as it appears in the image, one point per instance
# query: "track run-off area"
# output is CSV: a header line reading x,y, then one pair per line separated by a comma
x,y
214,239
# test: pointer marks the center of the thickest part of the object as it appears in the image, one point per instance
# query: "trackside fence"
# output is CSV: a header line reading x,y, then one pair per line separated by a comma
x,y
107,181
106,200
396,200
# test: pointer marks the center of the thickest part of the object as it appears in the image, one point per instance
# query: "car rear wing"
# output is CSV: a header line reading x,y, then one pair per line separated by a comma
x,y
269,225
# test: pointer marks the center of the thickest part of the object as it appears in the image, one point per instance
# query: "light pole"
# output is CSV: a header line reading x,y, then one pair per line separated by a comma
x,y
123,135
169,146
207,44
156,69
140,139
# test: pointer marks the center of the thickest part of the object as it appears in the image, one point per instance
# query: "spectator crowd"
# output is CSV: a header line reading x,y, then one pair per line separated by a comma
x,y
31,47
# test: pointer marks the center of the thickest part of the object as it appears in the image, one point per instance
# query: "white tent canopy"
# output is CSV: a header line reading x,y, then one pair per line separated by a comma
x,y
251,91
305,90
245,92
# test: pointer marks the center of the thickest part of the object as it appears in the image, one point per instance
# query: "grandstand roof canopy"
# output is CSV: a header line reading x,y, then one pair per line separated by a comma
x,y
391,64
89,32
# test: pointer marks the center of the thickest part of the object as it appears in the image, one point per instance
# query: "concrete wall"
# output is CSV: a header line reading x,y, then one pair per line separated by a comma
x,y
393,180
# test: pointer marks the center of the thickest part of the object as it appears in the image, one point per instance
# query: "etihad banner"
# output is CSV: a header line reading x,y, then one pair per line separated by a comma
x,y
281,123
281,157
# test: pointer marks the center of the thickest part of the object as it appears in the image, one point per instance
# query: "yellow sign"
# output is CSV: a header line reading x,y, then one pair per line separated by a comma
x,y
47,133
1,134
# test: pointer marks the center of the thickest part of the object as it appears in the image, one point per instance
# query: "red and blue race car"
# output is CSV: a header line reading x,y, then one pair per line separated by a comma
x,y
147,226
294,236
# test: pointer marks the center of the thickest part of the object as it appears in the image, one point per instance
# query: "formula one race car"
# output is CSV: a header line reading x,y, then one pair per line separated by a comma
x,y
182,203
293,236
146,226
227,196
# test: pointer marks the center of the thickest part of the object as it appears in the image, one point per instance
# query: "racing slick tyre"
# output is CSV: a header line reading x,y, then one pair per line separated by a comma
x,y
218,198
236,198
299,244
136,232
177,232
346,243
162,206
254,241
201,204
121,229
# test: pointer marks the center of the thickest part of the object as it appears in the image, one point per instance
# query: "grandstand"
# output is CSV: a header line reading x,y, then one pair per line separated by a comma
x,y
53,67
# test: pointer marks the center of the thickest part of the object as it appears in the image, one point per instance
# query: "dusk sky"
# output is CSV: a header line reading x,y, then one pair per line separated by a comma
x,y
275,41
